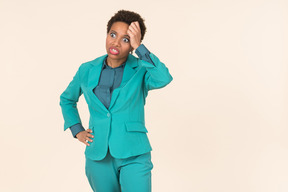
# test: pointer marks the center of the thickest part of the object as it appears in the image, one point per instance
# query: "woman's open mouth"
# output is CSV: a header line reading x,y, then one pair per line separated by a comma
x,y
114,51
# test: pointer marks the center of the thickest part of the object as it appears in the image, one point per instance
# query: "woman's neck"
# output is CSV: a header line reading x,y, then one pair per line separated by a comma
x,y
115,62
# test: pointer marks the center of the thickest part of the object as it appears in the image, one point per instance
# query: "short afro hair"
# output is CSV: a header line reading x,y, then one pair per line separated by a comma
x,y
127,17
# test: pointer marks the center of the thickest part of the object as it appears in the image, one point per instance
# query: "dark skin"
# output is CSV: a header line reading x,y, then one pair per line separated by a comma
x,y
134,33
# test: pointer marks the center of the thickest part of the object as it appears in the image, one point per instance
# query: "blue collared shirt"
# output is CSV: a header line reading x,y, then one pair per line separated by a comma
x,y
109,80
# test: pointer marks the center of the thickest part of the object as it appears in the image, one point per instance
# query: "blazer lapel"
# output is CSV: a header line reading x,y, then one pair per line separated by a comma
x,y
93,78
129,71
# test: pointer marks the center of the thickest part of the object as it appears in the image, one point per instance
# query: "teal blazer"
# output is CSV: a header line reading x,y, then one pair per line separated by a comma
x,y
122,125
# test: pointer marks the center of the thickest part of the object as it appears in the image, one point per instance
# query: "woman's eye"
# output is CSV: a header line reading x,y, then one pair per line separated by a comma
x,y
113,35
126,40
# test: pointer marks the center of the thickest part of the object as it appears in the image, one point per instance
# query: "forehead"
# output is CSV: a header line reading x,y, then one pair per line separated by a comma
x,y
120,27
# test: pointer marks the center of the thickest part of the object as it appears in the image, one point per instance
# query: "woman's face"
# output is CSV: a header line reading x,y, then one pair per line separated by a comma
x,y
118,42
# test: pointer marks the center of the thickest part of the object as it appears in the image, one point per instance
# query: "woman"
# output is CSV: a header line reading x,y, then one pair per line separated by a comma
x,y
115,86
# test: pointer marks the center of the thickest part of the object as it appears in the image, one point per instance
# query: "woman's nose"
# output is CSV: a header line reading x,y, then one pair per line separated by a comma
x,y
116,42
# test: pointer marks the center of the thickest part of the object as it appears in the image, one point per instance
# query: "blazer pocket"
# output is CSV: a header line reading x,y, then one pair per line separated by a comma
x,y
137,126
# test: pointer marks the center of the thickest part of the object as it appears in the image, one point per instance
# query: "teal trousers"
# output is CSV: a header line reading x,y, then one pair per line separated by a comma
x,y
131,174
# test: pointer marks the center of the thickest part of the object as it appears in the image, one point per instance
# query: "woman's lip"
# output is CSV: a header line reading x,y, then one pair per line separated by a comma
x,y
113,51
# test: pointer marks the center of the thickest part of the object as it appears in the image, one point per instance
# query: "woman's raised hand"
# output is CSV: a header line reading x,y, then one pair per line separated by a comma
x,y
83,136
134,33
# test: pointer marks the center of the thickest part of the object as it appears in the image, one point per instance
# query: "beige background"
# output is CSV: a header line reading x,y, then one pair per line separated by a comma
x,y
220,126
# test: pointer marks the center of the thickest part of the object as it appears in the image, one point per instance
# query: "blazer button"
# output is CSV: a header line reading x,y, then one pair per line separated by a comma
x,y
108,114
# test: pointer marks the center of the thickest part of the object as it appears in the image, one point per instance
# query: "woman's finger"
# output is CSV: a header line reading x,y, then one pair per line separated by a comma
x,y
86,142
132,30
89,130
88,139
134,27
89,135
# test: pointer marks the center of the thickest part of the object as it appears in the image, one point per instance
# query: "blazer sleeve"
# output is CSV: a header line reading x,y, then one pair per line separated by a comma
x,y
68,101
157,75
